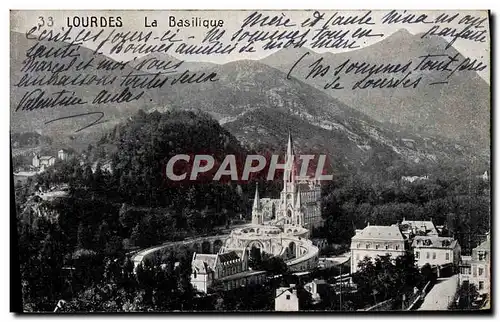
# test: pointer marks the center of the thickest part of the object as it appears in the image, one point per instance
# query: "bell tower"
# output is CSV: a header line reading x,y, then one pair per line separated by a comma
x,y
298,219
257,213
290,173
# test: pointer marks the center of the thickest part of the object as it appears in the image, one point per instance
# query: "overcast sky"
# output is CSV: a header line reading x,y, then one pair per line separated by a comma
x,y
22,21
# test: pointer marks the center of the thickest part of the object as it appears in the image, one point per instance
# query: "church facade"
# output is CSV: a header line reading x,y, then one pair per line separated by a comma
x,y
280,227
299,202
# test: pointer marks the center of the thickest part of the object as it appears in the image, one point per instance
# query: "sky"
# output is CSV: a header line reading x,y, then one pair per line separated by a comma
x,y
22,21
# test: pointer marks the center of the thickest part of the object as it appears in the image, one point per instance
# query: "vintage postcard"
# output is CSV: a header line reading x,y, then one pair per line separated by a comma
x,y
250,160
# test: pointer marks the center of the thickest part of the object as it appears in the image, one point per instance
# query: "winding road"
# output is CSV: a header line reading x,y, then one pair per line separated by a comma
x,y
441,295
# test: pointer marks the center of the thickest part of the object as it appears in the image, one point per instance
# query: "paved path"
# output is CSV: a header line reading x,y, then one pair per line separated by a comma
x,y
441,294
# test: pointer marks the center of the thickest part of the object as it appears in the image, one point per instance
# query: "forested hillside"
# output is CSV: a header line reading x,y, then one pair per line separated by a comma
x,y
107,214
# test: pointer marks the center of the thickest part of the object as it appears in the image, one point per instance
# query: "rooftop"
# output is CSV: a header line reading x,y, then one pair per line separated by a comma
x,y
434,242
380,232
419,224
227,257
208,259
239,251
485,245
201,266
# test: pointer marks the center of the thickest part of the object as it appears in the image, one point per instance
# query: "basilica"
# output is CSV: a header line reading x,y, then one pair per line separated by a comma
x,y
279,227
299,203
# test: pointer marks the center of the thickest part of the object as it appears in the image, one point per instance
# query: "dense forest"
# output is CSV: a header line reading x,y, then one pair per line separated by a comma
x,y
106,214
81,243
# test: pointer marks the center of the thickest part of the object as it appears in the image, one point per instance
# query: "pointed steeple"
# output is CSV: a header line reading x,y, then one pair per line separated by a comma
x,y
298,203
289,150
256,200
290,171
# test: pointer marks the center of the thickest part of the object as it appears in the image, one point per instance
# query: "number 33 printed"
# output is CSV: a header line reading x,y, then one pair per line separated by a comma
x,y
42,22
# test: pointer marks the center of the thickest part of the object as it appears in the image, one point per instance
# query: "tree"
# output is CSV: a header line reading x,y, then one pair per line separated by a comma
x,y
88,175
84,237
427,273
466,295
276,265
255,260
102,234
385,278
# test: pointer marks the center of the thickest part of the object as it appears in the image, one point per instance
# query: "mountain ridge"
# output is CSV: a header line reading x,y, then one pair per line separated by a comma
x,y
460,113
246,89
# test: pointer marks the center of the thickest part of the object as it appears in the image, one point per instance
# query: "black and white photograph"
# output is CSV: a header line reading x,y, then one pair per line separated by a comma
x,y
251,161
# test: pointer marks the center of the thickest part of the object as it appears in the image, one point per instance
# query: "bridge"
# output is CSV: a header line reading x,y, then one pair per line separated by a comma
x,y
306,254
202,244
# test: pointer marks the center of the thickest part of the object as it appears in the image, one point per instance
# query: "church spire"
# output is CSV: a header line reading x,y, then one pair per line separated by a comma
x,y
256,200
289,150
289,174
257,215
298,203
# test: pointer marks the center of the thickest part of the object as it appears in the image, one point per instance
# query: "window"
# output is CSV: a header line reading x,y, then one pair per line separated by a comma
x,y
428,255
288,297
481,255
481,285
397,247
465,270
417,255
358,245
434,255
386,247
480,271
447,256
377,246
367,246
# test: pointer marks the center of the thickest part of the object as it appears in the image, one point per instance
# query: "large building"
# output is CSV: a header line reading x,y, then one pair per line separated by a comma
x,y
442,253
477,269
307,189
230,267
439,252
42,162
284,235
373,241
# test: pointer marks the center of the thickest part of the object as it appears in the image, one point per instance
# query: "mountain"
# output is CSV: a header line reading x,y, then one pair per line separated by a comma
x,y
259,105
246,85
254,101
459,110
64,130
